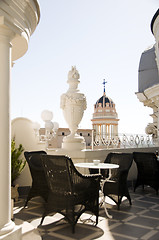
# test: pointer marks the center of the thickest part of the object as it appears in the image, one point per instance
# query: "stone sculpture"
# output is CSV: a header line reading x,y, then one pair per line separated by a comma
x,y
73,104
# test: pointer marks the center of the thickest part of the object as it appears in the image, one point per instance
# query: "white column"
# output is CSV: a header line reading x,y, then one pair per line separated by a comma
x,y
112,131
96,132
6,225
115,130
102,131
108,130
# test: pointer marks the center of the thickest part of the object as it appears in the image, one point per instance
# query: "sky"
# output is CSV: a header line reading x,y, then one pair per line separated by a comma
x,y
104,40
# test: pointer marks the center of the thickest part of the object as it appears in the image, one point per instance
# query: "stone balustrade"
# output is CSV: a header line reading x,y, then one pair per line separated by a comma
x,y
123,141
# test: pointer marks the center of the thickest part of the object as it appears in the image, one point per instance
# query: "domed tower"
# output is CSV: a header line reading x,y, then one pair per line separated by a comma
x,y
105,118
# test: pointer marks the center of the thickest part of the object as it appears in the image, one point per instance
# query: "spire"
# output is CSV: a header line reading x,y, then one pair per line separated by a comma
x,y
104,82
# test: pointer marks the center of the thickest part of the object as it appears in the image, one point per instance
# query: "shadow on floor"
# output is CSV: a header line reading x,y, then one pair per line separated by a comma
x,y
139,221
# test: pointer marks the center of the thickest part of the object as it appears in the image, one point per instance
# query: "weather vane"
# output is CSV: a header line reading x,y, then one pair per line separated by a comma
x,y
104,82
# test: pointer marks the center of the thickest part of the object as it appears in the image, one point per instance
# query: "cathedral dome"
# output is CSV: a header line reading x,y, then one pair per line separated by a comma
x,y
105,108
105,118
103,101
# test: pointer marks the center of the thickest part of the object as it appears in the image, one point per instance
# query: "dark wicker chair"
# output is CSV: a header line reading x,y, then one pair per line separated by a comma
x,y
116,187
148,170
39,184
71,193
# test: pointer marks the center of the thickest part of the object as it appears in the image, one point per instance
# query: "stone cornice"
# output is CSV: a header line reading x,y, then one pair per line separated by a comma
x,y
141,97
108,121
37,9
147,102
150,97
22,17
152,91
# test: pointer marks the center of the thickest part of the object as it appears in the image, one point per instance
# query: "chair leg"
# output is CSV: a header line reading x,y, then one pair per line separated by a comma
x,y
119,202
97,210
129,198
30,196
97,218
73,228
44,214
26,202
136,185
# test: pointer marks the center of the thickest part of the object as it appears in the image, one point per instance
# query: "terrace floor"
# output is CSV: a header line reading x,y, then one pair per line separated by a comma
x,y
139,221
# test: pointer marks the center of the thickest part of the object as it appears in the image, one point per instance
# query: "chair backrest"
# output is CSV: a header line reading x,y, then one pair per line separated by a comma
x,y
33,158
34,161
146,162
56,169
61,174
124,160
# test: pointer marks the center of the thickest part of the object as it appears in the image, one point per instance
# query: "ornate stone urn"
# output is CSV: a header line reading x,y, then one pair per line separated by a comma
x,y
73,104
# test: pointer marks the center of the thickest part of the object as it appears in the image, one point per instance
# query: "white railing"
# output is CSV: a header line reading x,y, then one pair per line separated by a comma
x,y
123,141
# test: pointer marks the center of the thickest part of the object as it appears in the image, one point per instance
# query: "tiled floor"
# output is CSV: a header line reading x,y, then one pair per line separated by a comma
x,y
139,221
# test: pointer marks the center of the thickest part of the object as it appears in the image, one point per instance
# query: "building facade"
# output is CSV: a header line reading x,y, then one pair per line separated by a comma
x,y
148,79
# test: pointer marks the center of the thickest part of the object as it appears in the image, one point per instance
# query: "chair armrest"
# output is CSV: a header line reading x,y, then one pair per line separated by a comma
x,y
87,176
87,182
120,174
91,177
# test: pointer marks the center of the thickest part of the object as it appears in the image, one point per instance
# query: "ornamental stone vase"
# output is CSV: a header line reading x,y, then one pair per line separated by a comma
x,y
73,104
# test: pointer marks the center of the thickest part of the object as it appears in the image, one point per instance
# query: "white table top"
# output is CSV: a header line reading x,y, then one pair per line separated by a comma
x,y
99,166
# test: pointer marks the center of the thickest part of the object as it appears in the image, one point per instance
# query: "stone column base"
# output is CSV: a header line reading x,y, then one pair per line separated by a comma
x,y
15,234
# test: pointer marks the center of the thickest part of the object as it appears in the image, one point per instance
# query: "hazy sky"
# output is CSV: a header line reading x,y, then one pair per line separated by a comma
x,y
104,39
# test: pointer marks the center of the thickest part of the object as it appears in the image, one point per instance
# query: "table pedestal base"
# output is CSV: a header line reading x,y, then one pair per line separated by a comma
x,y
102,202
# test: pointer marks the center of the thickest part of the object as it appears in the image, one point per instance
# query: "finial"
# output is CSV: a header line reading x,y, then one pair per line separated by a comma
x,y
104,82
73,74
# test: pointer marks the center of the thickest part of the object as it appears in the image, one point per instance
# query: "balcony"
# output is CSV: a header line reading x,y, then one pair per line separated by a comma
x,y
139,221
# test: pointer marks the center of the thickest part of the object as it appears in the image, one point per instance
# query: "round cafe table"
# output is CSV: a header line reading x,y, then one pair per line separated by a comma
x,y
100,166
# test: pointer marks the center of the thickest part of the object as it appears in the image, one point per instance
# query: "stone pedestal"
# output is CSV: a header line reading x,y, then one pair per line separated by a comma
x,y
74,143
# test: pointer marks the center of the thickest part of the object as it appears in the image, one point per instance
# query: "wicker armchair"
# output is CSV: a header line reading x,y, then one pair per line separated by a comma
x,y
148,170
116,187
71,193
39,184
